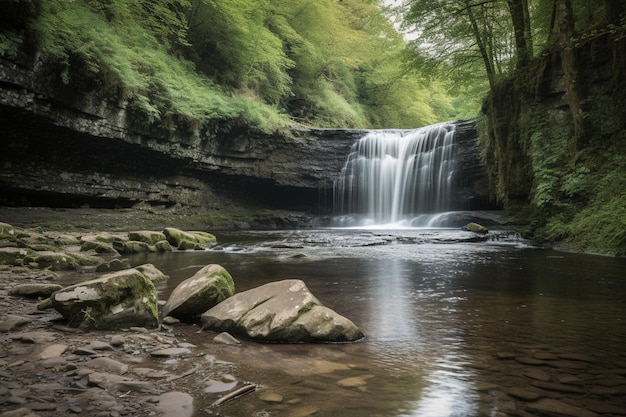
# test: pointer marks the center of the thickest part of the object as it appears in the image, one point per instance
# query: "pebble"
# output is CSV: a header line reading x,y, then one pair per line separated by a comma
x,y
52,351
354,382
226,338
304,411
117,340
271,397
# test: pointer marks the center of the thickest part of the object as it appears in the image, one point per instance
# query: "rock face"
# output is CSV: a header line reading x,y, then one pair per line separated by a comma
x,y
118,300
192,297
283,311
64,149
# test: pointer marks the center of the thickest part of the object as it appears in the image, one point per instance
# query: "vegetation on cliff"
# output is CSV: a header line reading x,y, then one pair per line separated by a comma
x,y
216,65
553,122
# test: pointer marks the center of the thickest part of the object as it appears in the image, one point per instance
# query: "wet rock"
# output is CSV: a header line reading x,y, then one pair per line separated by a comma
x,y
524,394
226,338
97,345
170,352
559,408
98,247
56,261
117,340
175,404
12,256
152,273
147,236
577,357
113,265
132,246
506,355
537,374
34,337
34,290
304,411
19,412
151,373
188,240
214,386
354,382
527,360
555,386
108,364
283,311
206,288
271,397
117,300
52,351
476,228
11,322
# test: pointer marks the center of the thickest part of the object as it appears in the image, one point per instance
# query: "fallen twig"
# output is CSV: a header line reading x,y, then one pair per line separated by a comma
x,y
234,394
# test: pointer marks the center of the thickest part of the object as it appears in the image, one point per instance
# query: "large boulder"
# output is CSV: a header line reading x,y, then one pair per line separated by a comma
x,y
118,300
192,297
282,311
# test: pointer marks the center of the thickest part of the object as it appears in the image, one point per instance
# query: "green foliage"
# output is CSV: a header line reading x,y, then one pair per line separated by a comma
x,y
219,66
10,43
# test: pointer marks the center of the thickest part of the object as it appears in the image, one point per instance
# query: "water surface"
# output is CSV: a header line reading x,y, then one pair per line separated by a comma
x,y
454,326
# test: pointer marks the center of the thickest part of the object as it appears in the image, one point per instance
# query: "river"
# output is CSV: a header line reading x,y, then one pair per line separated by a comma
x,y
454,326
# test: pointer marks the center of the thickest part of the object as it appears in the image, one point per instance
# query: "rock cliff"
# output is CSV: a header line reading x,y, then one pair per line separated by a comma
x,y
66,149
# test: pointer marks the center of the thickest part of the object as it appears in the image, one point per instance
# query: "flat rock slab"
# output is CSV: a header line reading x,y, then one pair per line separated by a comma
x,y
175,404
170,352
52,351
283,311
34,290
11,322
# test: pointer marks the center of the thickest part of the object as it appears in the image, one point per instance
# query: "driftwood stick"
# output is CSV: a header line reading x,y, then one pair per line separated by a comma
x,y
234,394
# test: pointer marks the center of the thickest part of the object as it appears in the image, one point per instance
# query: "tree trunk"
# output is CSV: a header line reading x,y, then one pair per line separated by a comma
x,y
521,28
565,24
613,9
480,41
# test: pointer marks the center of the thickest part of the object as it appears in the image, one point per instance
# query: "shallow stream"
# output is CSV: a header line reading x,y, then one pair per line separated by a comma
x,y
454,326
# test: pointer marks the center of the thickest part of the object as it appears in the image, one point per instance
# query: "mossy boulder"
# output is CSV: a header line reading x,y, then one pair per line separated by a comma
x,y
192,297
6,231
35,290
98,247
476,228
13,256
118,300
55,261
132,246
283,311
163,246
188,240
147,236
151,272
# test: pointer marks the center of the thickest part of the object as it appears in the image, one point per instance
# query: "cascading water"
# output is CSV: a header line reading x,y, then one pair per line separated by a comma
x,y
401,177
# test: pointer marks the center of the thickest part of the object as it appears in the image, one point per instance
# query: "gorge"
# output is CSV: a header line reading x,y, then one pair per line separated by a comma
x,y
62,152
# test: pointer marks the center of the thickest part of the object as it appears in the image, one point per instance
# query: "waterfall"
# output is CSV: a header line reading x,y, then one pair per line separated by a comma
x,y
398,176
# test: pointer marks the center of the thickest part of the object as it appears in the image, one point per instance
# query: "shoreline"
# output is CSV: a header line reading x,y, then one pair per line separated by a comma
x,y
48,368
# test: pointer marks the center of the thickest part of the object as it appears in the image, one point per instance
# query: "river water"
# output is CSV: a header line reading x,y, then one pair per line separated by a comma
x,y
454,326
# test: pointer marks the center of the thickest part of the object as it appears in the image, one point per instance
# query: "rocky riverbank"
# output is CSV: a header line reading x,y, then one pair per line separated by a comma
x,y
48,368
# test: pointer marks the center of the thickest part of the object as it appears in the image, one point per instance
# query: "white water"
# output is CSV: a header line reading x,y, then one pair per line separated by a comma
x,y
401,178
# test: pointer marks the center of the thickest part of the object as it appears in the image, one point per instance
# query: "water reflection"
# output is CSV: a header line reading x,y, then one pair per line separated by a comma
x,y
453,327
